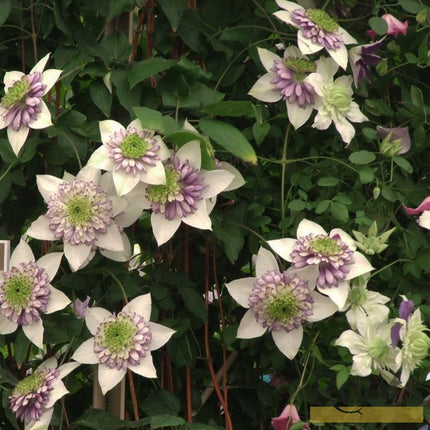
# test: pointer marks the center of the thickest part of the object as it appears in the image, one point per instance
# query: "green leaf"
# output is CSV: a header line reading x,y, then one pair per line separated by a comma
x,y
411,6
366,174
6,152
189,31
328,181
101,97
339,211
173,10
322,206
116,7
341,378
362,157
5,185
378,25
161,402
232,238
5,8
146,68
116,47
230,138
21,347
260,131
403,163
296,205
231,108
194,302
150,119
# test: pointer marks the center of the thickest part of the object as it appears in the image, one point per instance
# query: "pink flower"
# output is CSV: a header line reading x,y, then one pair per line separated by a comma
x,y
394,25
288,417
424,209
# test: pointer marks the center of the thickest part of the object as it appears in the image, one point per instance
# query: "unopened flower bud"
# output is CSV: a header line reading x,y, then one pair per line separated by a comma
x,y
422,16
382,67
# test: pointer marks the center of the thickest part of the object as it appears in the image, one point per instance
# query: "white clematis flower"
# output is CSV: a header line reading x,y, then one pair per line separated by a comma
x,y
334,100
334,254
280,302
83,215
132,154
26,292
22,106
122,341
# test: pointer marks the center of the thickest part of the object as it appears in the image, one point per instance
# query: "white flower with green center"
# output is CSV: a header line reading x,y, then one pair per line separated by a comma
x,y
316,30
334,100
22,106
371,348
186,195
334,254
279,302
32,400
123,341
85,217
132,154
26,292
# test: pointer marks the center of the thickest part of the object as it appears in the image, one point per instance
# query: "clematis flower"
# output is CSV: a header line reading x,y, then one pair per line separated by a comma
x,y
83,215
32,400
80,307
286,79
26,292
334,101
22,106
122,341
424,209
316,30
132,154
186,195
333,254
394,25
279,302
287,418
395,140
363,56
371,348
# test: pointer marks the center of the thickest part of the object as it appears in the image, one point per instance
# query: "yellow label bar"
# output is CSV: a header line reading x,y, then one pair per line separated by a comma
x,y
367,414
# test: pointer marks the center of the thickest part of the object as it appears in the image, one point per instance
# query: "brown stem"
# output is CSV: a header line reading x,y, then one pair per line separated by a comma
x,y
136,34
66,417
150,17
33,30
189,398
22,42
133,394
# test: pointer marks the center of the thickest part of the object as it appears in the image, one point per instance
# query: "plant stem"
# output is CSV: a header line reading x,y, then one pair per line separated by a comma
x,y
119,284
283,173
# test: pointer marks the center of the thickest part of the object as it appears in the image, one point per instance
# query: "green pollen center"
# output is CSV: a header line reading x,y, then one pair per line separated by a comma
x,y
18,291
322,20
133,146
78,211
282,307
300,67
378,349
357,296
325,246
119,335
419,344
30,383
337,96
17,93
168,192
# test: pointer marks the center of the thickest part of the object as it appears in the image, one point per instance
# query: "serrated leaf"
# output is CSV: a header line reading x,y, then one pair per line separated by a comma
x,y
362,157
146,68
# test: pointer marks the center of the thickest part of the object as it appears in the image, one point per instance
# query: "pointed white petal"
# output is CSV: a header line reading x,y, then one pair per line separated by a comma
x,y
22,253
360,267
89,173
163,228
51,263
352,341
108,128
43,118
267,58
340,56
424,220
297,115
238,179
57,301
288,342
265,262
321,121
77,255
7,326
306,45
308,274
10,78
67,368
145,367
160,335
345,237
108,378
283,247
263,89
164,152
306,227
317,82
123,255
216,181
327,68
100,159
42,423
41,64
288,5
323,307
85,353
50,363
34,333
48,185
355,115
3,112
59,390
111,239
17,138
285,17
49,78
293,51
39,229
345,129
249,327
240,289
200,218
155,175
94,317
191,152
141,305
346,37
337,294
361,365
124,182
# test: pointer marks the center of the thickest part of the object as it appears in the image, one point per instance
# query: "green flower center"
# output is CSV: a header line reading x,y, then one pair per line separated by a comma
x,y
16,94
325,246
322,19
168,192
133,146
282,307
30,384
357,296
118,335
337,96
17,291
378,349
300,67
79,211
419,344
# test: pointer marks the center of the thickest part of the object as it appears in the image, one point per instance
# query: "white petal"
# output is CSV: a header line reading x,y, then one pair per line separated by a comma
x,y
306,45
111,239
345,129
345,237
263,89
3,112
288,5
108,128
39,229
308,274
10,78
317,82
141,305
124,182
297,115
283,247
361,365
49,78
66,368
17,138
89,173
7,326
249,327
34,333
238,180
216,181
50,262
267,58
285,17
327,68
191,152
424,220
265,262
346,37
100,159
40,65
85,353
323,307
43,118
340,56
160,335
48,185
42,423
321,121
306,227
22,253
240,289
145,367
155,175
108,378
288,342
94,317
59,390
352,341
337,294
58,300
123,255
76,255
163,228
164,152
355,115
360,267
200,218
